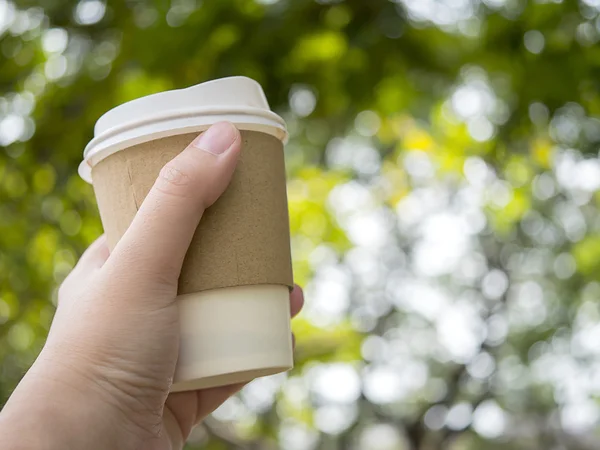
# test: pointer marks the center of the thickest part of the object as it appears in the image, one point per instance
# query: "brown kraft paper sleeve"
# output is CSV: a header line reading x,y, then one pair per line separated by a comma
x,y
243,239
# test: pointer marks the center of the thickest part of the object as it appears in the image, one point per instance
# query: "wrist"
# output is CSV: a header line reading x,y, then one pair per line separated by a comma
x,y
53,424
51,409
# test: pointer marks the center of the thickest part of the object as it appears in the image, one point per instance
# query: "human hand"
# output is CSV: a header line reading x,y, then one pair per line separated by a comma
x,y
103,378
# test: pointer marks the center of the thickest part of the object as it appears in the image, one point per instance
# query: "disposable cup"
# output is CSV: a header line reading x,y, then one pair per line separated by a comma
x,y
234,286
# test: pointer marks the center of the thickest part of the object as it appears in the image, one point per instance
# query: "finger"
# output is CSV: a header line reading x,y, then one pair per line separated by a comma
x,y
211,399
189,408
95,256
160,234
92,259
181,407
296,300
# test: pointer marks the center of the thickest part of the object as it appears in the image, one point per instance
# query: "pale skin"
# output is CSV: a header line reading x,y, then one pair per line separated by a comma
x,y
102,380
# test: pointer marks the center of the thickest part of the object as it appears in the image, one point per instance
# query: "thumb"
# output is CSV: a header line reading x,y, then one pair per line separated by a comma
x,y
159,236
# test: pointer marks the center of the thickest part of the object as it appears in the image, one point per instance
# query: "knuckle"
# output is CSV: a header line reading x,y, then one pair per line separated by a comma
x,y
62,292
65,287
172,180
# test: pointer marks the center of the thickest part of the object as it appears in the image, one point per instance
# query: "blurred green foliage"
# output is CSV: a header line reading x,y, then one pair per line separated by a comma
x,y
398,110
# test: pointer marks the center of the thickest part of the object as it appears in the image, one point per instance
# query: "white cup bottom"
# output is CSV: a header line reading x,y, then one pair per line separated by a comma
x,y
233,335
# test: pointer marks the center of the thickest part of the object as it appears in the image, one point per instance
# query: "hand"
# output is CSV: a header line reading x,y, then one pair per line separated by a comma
x,y
103,377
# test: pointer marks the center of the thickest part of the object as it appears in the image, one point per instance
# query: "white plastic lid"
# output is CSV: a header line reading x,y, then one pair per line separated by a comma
x,y
239,100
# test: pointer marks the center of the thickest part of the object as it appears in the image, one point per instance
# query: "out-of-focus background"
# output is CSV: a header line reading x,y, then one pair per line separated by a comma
x,y
443,185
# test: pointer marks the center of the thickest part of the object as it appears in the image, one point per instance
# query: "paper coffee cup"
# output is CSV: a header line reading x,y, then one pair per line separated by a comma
x,y
235,282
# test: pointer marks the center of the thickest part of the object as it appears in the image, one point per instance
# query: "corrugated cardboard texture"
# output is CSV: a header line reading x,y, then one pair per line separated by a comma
x,y
243,239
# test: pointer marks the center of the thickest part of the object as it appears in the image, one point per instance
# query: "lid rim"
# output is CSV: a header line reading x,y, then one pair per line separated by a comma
x,y
106,148
180,114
